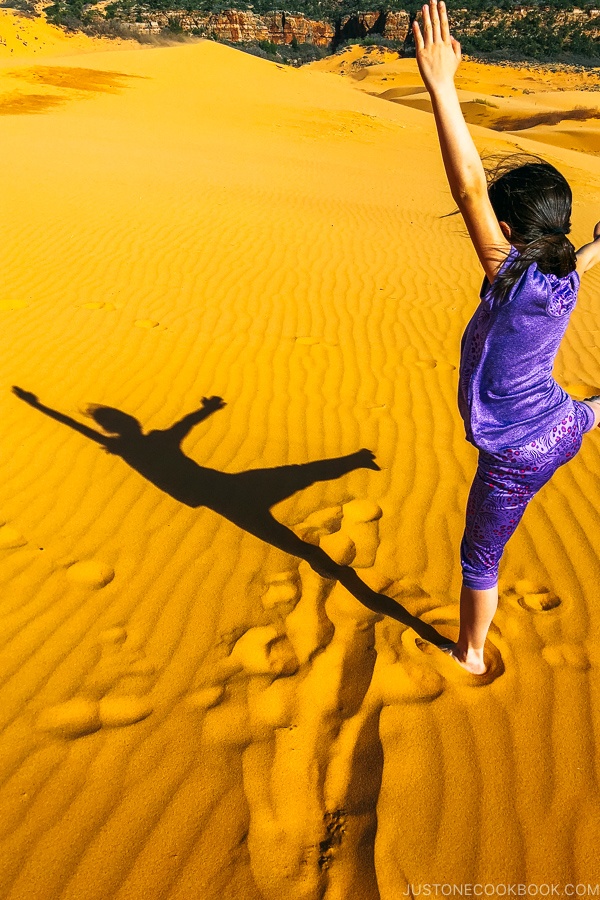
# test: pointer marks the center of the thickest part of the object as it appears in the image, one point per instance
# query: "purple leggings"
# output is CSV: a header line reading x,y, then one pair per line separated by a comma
x,y
504,484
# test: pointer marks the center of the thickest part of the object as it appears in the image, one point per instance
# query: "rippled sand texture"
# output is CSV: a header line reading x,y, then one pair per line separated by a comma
x,y
189,712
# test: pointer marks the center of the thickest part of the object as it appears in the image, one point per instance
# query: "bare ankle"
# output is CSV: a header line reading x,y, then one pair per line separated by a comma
x,y
470,658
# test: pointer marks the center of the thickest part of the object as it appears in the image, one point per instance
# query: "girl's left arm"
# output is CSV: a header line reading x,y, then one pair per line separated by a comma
x,y
438,57
589,255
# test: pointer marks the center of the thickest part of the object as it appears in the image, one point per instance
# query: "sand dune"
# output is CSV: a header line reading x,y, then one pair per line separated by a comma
x,y
189,709
546,105
25,36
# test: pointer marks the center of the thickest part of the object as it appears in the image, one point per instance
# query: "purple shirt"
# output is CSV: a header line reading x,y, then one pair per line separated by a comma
x,y
507,395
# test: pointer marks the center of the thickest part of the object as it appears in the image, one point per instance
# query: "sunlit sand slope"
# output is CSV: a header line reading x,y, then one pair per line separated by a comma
x,y
23,36
556,107
189,711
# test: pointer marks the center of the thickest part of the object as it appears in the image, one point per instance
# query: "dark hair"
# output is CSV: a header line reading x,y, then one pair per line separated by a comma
x,y
533,198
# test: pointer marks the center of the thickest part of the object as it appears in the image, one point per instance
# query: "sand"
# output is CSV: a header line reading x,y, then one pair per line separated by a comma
x,y
500,97
189,711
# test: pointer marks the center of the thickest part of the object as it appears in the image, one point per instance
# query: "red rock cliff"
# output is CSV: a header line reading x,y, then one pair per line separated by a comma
x,y
239,26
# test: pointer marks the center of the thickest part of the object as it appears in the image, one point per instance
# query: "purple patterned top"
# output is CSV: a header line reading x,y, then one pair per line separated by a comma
x,y
507,395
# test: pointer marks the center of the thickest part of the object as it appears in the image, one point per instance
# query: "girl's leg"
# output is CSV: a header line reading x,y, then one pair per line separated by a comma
x,y
594,404
496,504
501,491
477,609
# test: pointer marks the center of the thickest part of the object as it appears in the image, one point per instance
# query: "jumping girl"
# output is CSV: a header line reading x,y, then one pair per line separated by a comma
x,y
523,423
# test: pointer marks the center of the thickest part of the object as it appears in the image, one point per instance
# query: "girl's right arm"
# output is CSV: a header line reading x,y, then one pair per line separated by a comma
x,y
438,57
589,254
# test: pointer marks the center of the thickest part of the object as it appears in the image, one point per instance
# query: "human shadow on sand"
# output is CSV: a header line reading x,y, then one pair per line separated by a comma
x,y
244,498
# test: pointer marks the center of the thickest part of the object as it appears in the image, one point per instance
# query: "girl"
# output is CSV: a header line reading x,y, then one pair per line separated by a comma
x,y
523,424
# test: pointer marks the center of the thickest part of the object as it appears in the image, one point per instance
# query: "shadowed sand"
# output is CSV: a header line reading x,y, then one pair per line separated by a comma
x,y
190,710
244,498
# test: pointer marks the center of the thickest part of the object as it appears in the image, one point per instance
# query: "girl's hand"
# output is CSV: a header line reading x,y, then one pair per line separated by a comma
x,y
597,231
438,53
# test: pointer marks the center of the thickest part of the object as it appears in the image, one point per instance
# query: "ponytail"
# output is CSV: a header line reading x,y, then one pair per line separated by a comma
x,y
535,200
553,253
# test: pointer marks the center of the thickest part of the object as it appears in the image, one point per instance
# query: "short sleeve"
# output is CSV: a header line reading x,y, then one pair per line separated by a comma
x,y
486,293
562,294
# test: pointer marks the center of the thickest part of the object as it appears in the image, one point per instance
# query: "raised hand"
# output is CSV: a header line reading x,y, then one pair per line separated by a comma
x,y
27,396
597,231
438,53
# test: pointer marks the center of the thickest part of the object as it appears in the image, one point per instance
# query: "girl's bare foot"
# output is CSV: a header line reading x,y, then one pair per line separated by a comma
x,y
472,661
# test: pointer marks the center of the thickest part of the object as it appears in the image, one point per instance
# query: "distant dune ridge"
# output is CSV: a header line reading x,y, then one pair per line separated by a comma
x,y
188,710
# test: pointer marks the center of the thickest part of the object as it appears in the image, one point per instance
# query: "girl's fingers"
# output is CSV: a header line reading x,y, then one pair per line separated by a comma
x,y
427,29
444,27
457,49
435,19
419,45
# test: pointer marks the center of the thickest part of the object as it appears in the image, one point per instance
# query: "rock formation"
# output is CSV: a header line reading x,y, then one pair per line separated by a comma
x,y
239,26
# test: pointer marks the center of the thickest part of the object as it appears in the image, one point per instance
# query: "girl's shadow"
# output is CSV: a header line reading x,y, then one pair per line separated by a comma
x,y
244,498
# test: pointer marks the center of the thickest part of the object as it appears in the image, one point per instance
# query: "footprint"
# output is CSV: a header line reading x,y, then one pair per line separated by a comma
x,y
10,537
116,712
573,655
408,682
542,601
146,323
453,672
319,524
340,547
283,589
113,695
536,598
90,572
308,627
263,651
340,530
360,523
445,620
72,719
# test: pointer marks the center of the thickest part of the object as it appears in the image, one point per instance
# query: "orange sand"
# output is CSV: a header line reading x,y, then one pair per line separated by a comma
x,y
189,712
499,97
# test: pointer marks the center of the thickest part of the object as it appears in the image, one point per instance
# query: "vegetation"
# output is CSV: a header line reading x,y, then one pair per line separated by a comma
x,y
534,36
493,29
293,54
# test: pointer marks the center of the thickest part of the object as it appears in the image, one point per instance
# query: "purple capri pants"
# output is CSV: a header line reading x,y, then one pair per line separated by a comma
x,y
504,484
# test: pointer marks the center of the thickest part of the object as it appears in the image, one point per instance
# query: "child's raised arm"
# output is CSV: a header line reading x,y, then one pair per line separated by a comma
x,y
438,57
589,254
